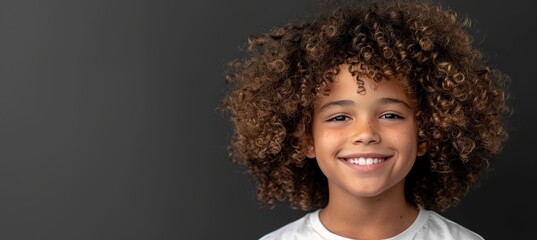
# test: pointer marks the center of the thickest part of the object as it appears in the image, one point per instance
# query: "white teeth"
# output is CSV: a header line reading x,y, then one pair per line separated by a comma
x,y
365,161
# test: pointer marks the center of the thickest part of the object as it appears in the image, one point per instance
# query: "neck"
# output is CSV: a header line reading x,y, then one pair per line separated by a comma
x,y
376,217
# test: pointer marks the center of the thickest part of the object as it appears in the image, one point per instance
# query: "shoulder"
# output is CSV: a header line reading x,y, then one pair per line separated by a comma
x,y
298,229
438,227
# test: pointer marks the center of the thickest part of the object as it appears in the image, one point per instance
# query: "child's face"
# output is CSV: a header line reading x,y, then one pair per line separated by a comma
x,y
365,144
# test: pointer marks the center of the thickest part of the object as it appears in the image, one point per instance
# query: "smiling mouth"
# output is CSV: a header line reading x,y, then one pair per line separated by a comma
x,y
365,161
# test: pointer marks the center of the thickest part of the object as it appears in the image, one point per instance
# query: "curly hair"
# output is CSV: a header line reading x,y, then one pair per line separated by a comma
x,y
461,100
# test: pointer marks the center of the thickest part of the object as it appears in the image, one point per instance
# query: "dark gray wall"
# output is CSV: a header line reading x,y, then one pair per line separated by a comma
x,y
109,127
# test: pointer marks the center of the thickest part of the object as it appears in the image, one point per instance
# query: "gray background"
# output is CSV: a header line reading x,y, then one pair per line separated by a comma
x,y
109,127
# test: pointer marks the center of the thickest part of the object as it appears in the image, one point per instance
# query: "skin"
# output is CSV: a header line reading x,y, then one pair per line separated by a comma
x,y
365,201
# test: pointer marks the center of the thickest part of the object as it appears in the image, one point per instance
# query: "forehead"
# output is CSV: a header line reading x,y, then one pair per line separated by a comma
x,y
347,84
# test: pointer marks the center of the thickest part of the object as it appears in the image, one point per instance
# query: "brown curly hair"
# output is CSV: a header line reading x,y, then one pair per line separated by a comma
x,y
461,100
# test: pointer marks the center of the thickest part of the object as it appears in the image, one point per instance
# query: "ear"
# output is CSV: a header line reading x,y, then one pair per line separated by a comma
x,y
310,151
422,148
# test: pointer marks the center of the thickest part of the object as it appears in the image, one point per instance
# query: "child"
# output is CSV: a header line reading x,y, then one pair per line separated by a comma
x,y
373,118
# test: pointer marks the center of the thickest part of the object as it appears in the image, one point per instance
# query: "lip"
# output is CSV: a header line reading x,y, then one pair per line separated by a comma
x,y
365,155
366,168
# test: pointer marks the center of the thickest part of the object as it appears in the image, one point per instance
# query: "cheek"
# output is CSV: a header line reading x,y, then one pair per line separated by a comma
x,y
409,140
325,140
320,138
404,137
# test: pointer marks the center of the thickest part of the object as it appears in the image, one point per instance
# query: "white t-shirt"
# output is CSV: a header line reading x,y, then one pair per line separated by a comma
x,y
429,225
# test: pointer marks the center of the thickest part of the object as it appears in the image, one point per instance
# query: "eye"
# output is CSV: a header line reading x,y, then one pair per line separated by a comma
x,y
339,118
391,116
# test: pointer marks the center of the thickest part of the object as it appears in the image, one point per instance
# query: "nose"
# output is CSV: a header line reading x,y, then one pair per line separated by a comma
x,y
365,132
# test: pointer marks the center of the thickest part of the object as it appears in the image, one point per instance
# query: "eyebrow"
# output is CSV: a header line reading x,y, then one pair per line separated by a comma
x,y
340,103
394,100
382,101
